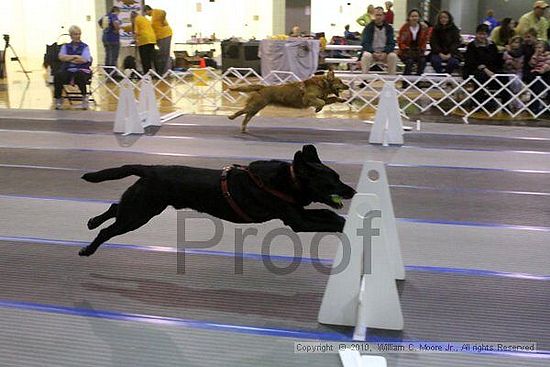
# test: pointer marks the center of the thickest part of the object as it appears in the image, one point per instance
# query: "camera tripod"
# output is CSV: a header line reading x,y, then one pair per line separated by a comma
x,y
15,58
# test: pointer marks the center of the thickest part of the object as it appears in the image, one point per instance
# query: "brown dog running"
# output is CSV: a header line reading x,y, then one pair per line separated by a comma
x,y
313,92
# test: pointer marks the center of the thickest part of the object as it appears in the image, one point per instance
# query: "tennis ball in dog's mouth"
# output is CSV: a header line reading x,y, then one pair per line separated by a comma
x,y
336,199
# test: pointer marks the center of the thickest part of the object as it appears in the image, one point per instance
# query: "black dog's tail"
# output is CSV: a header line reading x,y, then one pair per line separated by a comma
x,y
116,173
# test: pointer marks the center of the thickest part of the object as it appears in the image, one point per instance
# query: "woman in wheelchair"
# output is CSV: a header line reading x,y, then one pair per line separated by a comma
x,y
75,68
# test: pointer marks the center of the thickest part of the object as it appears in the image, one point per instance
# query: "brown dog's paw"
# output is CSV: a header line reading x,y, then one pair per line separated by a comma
x,y
86,251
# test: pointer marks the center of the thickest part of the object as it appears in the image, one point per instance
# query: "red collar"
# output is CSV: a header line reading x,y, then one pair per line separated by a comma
x,y
260,184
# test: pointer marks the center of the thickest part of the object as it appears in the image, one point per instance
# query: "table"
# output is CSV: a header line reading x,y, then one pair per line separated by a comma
x,y
193,47
300,56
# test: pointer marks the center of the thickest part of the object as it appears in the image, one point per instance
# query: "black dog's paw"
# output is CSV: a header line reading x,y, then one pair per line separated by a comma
x,y
88,177
92,224
86,251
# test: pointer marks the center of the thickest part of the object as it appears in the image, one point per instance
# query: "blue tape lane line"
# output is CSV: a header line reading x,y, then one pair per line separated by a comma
x,y
481,191
248,158
39,167
487,169
486,136
69,120
175,137
421,146
475,224
159,320
57,198
217,326
282,258
406,220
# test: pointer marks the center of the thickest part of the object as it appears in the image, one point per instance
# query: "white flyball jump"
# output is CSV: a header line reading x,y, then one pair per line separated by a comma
x,y
388,126
361,291
147,107
127,120
131,116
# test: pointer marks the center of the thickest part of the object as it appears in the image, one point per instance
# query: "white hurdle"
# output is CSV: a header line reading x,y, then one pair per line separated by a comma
x,y
388,126
147,106
127,119
361,291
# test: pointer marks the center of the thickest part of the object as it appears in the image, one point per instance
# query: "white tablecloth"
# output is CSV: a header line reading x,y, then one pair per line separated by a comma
x,y
300,56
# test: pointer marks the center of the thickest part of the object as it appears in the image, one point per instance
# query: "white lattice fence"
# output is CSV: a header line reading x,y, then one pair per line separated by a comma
x,y
500,95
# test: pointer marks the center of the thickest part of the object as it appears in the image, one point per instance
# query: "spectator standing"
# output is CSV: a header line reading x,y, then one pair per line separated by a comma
x,y
535,19
366,18
111,36
502,34
378,43
145,39
76,61
388,17
445,41
412,40
163,34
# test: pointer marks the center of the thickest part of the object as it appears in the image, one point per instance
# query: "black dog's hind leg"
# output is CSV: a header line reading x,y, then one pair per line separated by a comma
x,y
123,224
95,222
137,206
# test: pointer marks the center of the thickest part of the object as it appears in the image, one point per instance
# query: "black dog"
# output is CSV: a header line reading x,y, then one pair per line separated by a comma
x,y
262,191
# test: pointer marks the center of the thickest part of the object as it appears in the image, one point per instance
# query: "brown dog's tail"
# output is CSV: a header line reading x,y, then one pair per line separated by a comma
x,y
247,88
116,173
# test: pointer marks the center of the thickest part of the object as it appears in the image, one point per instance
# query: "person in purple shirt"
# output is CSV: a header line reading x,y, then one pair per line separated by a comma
x,y
75,68
111,36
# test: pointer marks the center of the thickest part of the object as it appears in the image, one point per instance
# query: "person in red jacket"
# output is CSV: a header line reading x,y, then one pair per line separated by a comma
x,y
412,40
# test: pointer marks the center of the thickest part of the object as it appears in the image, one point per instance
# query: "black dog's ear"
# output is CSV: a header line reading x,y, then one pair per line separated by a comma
x,y
330,74
298,158
310,153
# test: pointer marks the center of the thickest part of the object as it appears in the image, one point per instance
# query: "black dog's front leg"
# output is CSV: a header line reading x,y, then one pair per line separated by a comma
x,y
315,220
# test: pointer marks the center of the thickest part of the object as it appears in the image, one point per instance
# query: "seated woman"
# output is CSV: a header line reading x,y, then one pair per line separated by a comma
x,y
539,67
483,61
502,34
412,40
445,41
514,60
76,60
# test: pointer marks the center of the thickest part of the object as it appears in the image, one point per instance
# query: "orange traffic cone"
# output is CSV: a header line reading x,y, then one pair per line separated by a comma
x,y
201,75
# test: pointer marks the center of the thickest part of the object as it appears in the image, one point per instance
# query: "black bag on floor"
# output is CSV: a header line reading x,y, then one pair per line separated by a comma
x,y
129,62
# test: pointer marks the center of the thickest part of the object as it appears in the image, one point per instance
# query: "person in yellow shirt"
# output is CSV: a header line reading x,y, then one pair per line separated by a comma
x,y
163,32
145,39
366,18
535,19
